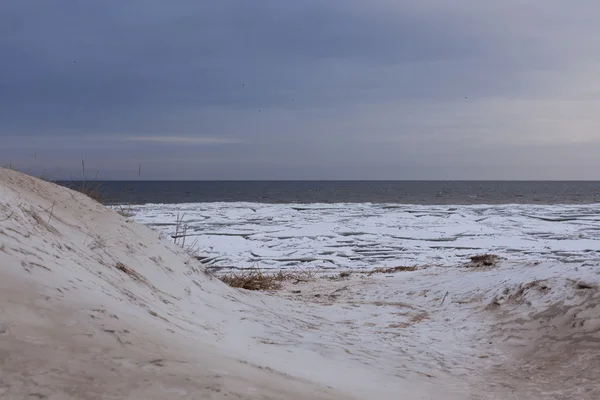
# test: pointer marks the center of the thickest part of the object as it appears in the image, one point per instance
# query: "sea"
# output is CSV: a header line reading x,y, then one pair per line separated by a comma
x,y
395,192
351,225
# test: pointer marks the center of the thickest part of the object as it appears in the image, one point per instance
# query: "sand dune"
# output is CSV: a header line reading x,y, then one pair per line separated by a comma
x,y
95,306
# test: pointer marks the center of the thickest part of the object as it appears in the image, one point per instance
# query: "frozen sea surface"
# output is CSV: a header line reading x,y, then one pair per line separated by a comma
x,y
359,236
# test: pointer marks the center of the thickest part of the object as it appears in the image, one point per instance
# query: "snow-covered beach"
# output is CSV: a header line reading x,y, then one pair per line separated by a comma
x,y
98,306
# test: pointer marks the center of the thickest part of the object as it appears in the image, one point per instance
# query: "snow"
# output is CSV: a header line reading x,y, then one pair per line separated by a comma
x,y
95,305
363,236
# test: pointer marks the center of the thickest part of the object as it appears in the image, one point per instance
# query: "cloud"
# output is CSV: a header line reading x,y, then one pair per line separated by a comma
x,y
180,140
311,89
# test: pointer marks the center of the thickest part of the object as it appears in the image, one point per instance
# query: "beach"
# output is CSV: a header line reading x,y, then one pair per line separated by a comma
x,y
97,305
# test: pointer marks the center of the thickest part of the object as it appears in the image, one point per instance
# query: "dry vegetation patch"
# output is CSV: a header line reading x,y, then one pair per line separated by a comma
x,y
257,279
253,279
484,260
93,190
392,270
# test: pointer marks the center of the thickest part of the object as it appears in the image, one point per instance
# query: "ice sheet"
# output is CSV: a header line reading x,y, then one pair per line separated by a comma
x,y
359,236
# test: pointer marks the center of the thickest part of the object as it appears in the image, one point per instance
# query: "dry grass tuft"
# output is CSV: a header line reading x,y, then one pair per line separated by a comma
x,y
93,190
392,270
256,279
484,260
253,279
125,206
180,235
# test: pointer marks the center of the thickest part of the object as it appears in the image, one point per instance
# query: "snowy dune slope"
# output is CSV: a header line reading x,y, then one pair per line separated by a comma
x,y
341,236
98,307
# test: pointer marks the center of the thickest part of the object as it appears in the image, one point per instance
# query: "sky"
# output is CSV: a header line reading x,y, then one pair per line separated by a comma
x,y
306,89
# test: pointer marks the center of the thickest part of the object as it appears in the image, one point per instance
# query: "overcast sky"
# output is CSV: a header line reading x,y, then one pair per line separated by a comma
x,y
305,89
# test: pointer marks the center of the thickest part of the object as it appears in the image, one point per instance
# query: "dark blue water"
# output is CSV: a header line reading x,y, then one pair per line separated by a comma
x,y
404,192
